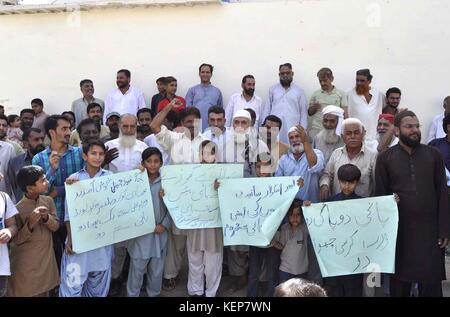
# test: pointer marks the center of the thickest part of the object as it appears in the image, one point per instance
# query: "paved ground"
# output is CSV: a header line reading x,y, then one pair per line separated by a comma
x,y
225,285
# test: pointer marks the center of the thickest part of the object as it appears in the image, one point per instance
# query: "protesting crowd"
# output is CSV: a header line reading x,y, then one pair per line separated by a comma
x,y
340,145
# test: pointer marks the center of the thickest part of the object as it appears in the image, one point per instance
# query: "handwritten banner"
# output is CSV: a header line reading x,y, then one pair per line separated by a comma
x,y
190,196
252,208
354,236
106,210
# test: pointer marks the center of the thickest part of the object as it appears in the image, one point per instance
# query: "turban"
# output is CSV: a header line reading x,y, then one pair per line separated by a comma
x,y
386,116
335,111
242,114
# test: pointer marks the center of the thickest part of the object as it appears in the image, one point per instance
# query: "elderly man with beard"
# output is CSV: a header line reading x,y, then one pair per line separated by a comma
x,y
302,160
183,148
366,103
33,142
416,173
329,139
287,101
94,112
353,152
125,98
241,146
245,99
308,163
385,129
130,151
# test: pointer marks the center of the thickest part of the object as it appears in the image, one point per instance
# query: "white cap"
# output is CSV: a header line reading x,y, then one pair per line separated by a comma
x,y
292,129
242,114
335,111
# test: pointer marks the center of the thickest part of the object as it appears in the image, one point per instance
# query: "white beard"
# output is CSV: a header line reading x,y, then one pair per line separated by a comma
x,y
329,136
298,148
380,136
127,141
240,137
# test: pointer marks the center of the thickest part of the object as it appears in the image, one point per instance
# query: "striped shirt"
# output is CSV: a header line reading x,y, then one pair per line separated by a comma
x,y
70,162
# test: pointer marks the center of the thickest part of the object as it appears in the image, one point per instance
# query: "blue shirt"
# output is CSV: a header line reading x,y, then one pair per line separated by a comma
x,y
70,162
443,146
289,105
97,260
289,166
202,97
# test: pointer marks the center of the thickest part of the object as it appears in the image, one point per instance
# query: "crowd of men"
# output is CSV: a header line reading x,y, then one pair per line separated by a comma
x,y
310,139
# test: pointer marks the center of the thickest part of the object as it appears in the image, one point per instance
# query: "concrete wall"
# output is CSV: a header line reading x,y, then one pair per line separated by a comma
x,y
405,43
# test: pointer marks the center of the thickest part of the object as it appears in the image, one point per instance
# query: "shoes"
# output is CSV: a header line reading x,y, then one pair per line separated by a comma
x,y
169,284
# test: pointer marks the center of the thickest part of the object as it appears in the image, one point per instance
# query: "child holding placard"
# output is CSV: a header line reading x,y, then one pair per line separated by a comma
x,y
33,263
86,274
351,285
148,252
205,246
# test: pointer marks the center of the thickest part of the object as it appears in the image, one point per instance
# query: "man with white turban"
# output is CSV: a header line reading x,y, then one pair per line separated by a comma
x,y
241,146
329,139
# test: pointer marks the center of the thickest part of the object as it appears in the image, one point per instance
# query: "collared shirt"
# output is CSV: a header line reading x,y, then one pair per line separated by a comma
x,y
289,105
436,129
14,166
238,102
70,162
128,159
152,142
130,102
327,149
443,146
294,256
152,245
335,97
7,211
79,107
365,160
289,166
202,97
366,112
6,155
181,148
97,260
39,121
75,139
